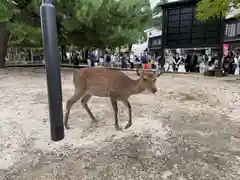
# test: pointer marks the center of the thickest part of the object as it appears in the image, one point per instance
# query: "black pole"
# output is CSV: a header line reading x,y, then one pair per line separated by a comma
x,y
221,41
52,65
162,62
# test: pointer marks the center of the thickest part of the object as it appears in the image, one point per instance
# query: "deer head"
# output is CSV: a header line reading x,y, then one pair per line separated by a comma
x,y
148,80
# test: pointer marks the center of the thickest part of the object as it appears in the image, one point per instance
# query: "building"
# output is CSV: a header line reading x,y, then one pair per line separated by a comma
x,y
232,30
141,46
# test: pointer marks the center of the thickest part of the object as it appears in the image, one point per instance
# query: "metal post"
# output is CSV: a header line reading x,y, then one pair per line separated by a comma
x,y
162,63
52,65
221,41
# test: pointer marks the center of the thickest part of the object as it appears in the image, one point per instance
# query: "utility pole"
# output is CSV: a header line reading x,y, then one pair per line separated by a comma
x,y
52,65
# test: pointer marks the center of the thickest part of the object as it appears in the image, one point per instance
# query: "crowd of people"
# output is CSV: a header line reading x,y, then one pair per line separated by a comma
x,y
190,60
124,60
193,61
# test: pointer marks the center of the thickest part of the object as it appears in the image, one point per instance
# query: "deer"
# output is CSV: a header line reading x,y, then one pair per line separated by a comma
x,y
113,84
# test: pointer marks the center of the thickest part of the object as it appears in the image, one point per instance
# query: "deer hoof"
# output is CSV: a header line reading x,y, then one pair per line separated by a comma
x,y
67,127
94,120
128,125
118,128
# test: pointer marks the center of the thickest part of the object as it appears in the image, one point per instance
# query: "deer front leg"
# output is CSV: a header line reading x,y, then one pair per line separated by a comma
x,y
127,104
115,111
84,102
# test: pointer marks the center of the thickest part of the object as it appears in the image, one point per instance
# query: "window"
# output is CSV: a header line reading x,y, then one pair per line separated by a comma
x,y
238,28
156,41
231,31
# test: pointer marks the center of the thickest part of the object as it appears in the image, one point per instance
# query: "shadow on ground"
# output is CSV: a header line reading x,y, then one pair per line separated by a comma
x,y
195,148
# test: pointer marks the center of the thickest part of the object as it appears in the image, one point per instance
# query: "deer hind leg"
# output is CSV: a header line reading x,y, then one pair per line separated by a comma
x,y
76,96
115,111
127,104
84,102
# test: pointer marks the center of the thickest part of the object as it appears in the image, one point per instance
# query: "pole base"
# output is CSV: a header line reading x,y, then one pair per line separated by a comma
x,y
220,73
209,73
57,133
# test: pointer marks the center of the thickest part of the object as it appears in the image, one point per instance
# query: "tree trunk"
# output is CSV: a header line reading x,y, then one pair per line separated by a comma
x,y
4,36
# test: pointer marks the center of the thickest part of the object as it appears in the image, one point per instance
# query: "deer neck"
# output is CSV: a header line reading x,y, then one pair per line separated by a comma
x,y
137,87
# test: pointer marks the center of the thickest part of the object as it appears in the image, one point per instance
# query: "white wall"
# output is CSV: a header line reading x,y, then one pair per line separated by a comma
x,y
152,32
139,48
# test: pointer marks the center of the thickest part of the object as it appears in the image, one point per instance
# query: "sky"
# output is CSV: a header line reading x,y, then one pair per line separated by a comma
x,y
154,2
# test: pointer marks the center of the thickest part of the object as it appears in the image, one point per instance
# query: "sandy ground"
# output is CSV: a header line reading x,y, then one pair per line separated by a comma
x,y
189,130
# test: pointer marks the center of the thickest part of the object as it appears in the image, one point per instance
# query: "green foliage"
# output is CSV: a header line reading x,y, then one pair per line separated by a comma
x,y
24,34
103,23
207,9
85,23
22,22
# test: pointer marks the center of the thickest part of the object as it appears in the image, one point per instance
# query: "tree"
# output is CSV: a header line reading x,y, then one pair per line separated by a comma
x,y
83,23
20,23
207,9
103,23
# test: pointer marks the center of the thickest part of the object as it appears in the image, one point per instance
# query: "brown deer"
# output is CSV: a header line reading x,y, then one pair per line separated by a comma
x,y
110,83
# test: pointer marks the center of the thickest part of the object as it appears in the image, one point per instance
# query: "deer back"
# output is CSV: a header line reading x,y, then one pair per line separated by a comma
x,y
105,82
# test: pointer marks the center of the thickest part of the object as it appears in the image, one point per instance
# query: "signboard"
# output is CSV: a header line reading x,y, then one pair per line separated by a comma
x,y
232,30
225,49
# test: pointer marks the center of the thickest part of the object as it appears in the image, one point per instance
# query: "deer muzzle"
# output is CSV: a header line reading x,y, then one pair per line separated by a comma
x,y
154,90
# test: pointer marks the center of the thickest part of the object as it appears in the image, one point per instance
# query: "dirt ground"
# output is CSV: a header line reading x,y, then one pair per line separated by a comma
x,y
188,131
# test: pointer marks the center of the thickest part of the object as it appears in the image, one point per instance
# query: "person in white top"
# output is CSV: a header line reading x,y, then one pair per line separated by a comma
x,y
113,59
101,60
132,60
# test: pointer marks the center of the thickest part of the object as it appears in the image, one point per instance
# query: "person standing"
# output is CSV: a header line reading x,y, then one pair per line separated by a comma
x,y
193,65
176,62
187,62
92,59
144,60
101,60
107,59
131,61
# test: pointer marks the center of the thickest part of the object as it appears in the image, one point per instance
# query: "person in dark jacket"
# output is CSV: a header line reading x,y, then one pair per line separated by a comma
x,y
187,63
228,63
194,65
176,62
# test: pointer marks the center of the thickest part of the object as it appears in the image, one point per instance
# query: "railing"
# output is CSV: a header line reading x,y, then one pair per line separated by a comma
x,y
117,65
